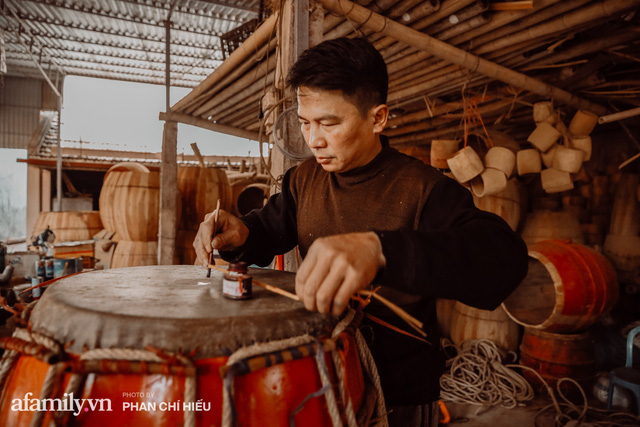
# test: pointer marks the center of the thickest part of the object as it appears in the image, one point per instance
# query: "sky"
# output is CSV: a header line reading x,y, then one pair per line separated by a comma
x,y
123,116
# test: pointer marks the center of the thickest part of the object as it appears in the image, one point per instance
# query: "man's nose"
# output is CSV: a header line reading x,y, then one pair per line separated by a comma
x,y
316,138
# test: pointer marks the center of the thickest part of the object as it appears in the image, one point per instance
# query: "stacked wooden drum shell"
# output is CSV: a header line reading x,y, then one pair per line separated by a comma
x,y
69,226
129,205
568,287
200,189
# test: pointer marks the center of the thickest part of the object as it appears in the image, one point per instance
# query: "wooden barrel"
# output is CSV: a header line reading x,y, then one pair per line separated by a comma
x,y
136,203
69,225
135,253
473,323
200,189
107,193
623,251
444,313
556,356
253,196
545,225
237,187
567,288
507,204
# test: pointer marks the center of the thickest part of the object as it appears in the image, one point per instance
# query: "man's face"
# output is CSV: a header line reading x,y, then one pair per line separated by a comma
x,y
339,136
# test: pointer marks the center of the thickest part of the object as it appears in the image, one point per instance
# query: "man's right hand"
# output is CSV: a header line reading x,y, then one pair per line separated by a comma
x,y
230,234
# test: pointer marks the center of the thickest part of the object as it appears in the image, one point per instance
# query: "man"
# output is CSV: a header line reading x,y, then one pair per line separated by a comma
x,y
361,212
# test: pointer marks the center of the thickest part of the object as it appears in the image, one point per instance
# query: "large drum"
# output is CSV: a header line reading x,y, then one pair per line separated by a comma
x,y
161,346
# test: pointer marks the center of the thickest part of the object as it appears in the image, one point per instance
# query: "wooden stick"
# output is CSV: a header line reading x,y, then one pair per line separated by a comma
x,y
264,285
626,162
196,152
206,124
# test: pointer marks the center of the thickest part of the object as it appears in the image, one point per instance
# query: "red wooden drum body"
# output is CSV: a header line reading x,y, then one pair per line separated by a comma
x,y
568,287
173,311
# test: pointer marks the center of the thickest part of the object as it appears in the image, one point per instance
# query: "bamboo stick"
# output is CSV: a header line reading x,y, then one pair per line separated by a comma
x,y
619,116
260,36
603,9
460,57
206,124
242,103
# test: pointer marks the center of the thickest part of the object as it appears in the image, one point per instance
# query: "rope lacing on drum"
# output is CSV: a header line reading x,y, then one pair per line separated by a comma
x,y
113,360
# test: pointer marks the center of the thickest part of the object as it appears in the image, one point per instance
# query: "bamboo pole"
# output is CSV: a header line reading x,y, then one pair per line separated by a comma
x,y
541,15
347,27
544,14
206,124
230,91
457,56
260,37
211,109
603,9
447,8
238,72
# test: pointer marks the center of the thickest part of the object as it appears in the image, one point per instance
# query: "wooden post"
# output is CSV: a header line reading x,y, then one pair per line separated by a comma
x,y
168,194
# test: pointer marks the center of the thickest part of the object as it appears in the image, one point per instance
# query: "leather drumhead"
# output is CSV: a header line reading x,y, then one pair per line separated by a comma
x,y
171,307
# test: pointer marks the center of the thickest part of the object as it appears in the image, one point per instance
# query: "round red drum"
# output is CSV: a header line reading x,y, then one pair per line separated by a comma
x,y
161,346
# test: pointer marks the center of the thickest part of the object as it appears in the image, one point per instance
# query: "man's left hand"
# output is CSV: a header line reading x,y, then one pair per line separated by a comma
x,y
336,267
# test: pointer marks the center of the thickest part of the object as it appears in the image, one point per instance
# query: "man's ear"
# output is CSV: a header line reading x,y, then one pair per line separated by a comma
x,y
380,115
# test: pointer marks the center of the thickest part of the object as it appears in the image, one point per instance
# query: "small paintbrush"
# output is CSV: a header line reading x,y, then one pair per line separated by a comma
x,y
215,229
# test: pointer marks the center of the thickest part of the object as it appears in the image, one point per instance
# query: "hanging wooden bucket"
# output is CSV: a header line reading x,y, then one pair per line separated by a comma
x,y
500,158
465,164
544,225
549,155
583,122
568,159
507,204
444,313
472,323
556,356
134,253
542,111
567,288
69,225
490,182
555,180
528,161
441,151
582,143
543,136
200,189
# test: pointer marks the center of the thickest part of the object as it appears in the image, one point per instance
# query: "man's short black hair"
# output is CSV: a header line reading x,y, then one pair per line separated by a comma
x,y
352,66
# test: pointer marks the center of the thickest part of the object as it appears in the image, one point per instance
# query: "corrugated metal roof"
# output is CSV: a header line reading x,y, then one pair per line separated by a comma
x,y
120,39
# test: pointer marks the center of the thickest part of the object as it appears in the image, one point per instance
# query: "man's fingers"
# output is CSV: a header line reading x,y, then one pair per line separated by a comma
x,y
350,285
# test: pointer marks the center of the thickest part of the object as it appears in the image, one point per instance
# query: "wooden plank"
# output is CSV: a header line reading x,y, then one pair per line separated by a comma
x,y
206,124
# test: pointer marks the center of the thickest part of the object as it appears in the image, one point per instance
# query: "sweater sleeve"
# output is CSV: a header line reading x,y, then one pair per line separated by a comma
x,y
272,229
458,252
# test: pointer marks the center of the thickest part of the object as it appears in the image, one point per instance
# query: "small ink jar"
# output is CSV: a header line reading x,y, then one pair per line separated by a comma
x,y
236,283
